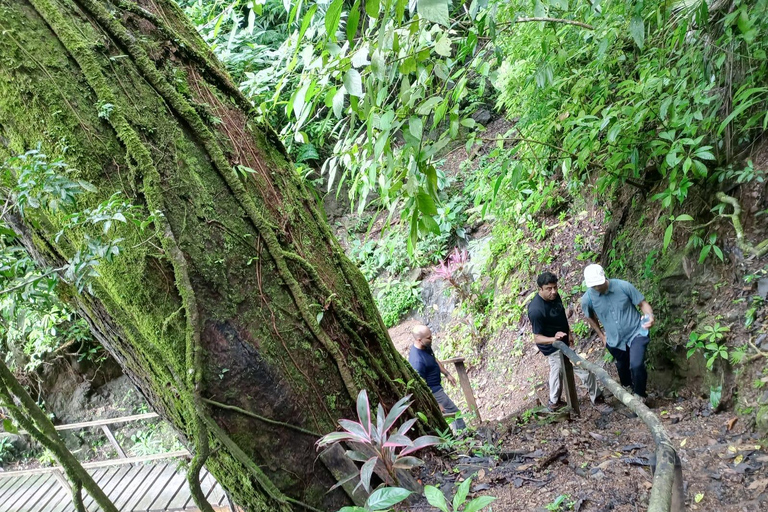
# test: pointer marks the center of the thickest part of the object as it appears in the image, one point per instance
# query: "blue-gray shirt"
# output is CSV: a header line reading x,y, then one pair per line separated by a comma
x,y
616,309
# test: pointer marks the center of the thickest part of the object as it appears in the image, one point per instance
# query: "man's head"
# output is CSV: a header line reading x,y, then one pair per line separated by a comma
x,y
594,277
422,336
547,282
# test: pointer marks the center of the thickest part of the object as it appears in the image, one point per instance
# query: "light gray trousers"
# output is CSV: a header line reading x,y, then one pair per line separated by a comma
x,y
556,379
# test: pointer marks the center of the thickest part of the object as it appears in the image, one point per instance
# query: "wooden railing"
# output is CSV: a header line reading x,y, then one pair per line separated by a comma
x,y
667,491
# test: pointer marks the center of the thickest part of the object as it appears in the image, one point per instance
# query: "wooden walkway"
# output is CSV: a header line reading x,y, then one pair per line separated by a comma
x,y
157,486
152,483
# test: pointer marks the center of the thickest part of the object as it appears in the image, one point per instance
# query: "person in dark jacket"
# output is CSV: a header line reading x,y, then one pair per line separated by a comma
x,y
424,362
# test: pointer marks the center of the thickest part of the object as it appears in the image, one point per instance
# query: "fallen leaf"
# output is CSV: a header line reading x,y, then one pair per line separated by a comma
x,y
682,443
699,497
480,474
738,459
597,436
731,422
758,485
647,485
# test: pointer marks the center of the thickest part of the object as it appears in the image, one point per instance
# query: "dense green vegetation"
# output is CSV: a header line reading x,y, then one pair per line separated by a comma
x,y
657,96
591,110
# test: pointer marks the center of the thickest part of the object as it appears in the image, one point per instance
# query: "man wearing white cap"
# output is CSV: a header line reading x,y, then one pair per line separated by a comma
x,y
615,304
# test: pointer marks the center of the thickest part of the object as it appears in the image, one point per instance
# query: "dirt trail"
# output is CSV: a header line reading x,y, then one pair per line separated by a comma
x,y
602,461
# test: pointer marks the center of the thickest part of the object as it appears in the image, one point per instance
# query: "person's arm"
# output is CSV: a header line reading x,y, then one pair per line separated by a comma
x,y
537,324
589,315
596,326
540,339
647,310
445,372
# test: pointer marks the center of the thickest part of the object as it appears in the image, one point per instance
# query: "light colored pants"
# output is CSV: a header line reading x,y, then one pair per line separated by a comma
x,y
556,379
448,407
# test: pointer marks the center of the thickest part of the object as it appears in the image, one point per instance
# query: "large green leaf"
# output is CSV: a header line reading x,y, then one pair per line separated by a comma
x,y
637,30
435,498
332,18
372,8
353,20
435,11
353,82
386,497
426,204
478,503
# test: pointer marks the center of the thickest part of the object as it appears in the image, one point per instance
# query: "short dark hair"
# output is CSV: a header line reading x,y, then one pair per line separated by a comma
x,y
546,278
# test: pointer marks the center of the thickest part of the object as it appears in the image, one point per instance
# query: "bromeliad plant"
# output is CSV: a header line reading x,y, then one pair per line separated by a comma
x,y
378,448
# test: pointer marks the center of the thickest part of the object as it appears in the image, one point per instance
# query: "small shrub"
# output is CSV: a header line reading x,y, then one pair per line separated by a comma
x,y
391,450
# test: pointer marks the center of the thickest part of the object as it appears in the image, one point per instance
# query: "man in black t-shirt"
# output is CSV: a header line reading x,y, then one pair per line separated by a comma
x,y
549,324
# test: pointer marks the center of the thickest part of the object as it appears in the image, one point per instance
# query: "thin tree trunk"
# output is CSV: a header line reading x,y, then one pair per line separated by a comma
x,y
239,295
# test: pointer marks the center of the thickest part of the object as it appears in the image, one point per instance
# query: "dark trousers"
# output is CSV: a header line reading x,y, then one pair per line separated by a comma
x,y
630,364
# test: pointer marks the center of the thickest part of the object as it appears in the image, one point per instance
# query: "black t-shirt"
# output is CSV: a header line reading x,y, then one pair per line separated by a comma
x,y
424,362
547,318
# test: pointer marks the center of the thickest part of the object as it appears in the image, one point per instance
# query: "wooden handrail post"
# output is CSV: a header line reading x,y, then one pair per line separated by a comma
x,y
569,383
466,388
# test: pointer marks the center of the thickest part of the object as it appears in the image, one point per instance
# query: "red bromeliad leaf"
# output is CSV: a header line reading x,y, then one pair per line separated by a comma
x,y
356,456
334,437
420,443
408,462
405,427
396,411
356,430
396,440
366,472
379,430
364,411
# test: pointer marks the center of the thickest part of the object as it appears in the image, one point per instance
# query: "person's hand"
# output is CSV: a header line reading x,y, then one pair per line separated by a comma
x,y
562,336
451,379
650,322
602,337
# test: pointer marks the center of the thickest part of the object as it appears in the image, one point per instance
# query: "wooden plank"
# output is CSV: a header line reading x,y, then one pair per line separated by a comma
x,y
57,495
154,472
22,492
172,490
4,485
166,475
99,476
113,442
101,463
40,496
182,496
116,475
11,491
125,483
97,423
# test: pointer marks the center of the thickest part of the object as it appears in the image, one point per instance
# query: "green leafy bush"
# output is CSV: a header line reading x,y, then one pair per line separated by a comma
x,y
396,298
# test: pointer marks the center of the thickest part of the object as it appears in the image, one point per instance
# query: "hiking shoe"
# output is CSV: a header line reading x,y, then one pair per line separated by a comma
x,y
556,405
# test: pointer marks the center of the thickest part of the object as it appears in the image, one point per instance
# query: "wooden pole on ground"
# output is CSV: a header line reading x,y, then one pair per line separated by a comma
x,y
466,388
668,476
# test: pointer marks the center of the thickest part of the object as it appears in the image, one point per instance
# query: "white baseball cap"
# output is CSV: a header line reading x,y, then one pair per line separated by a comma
x,y
594,275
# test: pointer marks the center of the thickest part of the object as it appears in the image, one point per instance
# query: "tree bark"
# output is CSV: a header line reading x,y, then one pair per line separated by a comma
x,y
239,295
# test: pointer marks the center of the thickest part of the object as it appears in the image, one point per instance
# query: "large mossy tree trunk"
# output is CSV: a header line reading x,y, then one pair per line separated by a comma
x,y
222,301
